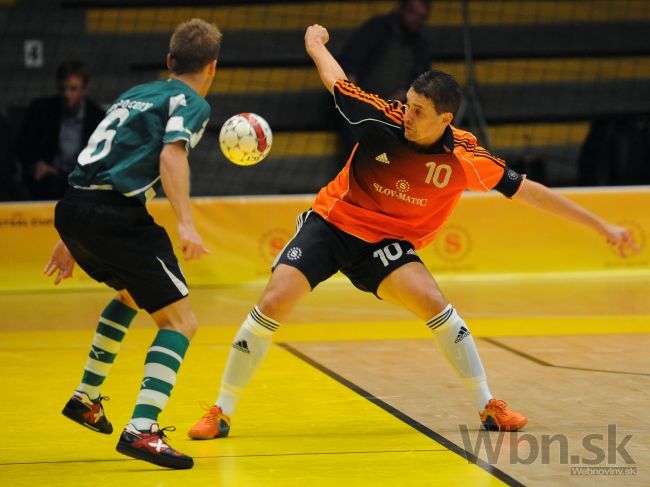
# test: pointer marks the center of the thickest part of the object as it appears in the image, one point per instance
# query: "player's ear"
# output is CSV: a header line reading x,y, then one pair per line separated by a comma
x,y
212,67
169,61
447,117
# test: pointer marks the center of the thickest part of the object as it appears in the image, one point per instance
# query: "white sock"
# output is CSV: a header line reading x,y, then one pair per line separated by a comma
x,y
248,350
457,346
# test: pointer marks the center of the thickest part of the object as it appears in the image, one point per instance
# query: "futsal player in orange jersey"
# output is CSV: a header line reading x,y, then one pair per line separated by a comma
x,y
400,184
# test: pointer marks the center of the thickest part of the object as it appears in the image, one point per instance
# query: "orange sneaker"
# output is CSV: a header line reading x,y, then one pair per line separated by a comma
x,y
498,417
213,424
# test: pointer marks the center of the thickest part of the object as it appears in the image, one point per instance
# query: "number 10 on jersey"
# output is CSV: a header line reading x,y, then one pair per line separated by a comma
x,y
438,175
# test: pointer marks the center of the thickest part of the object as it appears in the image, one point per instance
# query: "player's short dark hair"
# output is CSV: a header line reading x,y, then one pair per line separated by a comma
x,y
441,88
71,68
194,44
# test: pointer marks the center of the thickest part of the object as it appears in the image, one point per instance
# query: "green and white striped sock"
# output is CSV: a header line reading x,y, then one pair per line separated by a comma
x,y
113,325
160,368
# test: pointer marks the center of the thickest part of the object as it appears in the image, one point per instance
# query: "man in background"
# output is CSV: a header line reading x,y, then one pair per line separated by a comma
x,y
55,130
386,53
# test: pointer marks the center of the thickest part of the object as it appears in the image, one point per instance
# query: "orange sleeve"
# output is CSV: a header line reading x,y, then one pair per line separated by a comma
x,y
483,170
357,106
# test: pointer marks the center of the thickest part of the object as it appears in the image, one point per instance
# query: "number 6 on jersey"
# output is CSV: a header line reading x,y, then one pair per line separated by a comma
x,y
102,134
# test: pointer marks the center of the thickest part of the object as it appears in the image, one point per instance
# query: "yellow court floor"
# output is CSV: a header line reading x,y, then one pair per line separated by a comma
x,y
354,391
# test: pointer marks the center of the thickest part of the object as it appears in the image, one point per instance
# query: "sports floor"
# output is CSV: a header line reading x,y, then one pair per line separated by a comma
x,y
354,392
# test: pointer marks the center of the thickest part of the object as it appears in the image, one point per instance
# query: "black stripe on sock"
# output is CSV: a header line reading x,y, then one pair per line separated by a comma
x,y
440,320
263,321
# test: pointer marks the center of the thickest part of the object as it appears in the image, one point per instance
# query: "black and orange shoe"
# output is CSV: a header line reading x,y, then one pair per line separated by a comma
x,y
152,447
497,417
88,413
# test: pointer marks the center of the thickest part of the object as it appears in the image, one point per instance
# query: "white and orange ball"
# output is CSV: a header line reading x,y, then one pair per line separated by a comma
x,y
245,139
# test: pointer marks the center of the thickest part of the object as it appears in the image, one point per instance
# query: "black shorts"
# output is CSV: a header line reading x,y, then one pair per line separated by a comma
x,y
319,250
115,240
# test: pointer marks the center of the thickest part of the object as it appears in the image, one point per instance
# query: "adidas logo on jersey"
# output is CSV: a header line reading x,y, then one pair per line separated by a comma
x,y
242,346
462,333
382,158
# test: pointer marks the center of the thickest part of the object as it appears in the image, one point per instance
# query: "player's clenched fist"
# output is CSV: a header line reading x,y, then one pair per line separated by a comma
x,y
316,34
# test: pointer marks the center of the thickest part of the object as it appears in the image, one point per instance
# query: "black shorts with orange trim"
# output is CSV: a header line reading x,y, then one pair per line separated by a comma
x,y
319,250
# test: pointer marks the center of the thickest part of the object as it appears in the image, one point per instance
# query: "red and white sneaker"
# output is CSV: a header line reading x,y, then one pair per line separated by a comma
x,y
496,416
88,413
152,447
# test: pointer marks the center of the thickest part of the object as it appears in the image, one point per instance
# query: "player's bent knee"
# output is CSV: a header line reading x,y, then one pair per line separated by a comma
x,y
177,316
186,325
190,326
278,302
273,306
286,287
124,297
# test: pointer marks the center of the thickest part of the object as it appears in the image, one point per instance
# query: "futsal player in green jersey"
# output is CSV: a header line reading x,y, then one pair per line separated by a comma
x,y
142,143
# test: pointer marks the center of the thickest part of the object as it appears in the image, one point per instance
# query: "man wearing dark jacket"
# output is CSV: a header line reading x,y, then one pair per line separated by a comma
x,y
55,130
386,53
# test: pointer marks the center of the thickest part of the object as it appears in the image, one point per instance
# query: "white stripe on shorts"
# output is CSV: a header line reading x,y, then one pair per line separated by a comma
x,y
182,288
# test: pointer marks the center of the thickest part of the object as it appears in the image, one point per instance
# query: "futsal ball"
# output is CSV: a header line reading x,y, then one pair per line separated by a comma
x,y
245,139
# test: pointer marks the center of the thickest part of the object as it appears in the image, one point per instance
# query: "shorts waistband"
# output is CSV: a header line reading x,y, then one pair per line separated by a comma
x,y
101,196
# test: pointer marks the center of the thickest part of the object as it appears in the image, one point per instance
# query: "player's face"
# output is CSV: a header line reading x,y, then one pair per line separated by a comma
x,y
423,125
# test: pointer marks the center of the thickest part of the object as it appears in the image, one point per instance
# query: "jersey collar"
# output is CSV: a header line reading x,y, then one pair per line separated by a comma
x,y
445,144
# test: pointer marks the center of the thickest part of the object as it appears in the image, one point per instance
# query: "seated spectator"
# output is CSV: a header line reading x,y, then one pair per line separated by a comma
x,y
54,132
11,187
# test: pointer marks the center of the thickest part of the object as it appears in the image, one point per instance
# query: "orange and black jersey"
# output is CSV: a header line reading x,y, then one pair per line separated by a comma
x,y
390,189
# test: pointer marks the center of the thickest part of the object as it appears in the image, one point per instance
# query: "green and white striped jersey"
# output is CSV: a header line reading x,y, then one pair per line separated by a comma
x,y
123,153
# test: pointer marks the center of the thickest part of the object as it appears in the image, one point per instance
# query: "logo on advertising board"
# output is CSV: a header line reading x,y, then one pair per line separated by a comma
x,y
452,244
272,242
18,219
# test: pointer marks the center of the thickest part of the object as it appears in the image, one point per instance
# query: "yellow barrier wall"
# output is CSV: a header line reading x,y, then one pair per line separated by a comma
x,y
486,234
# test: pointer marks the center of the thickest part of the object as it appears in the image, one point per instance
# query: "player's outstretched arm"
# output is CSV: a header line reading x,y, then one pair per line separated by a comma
x,y
329,69
61,260
175,178
540,196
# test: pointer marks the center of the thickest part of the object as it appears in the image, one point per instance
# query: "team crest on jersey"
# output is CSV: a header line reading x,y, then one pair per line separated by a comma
x,y
403,185
294,253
